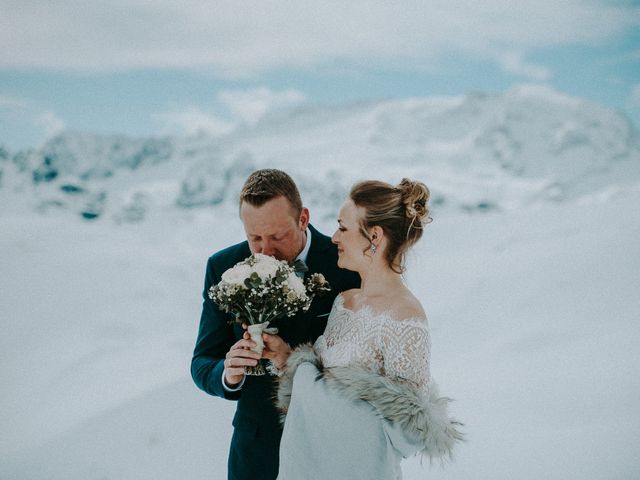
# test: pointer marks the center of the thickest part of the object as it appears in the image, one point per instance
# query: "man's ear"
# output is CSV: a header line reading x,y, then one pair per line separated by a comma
x,y
303,221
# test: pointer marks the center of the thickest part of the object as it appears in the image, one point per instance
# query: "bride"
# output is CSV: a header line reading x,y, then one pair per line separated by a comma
x,y
362,397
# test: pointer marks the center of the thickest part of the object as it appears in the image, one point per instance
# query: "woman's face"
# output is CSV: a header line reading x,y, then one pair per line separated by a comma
x,y
348,238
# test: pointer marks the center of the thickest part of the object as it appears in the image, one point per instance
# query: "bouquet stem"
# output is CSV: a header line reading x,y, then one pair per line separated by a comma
x,y
255,332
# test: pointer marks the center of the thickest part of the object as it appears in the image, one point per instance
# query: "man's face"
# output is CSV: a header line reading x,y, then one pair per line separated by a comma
x,y
274,229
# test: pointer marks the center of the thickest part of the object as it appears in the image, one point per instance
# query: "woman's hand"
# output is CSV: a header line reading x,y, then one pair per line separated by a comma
x,y
276,350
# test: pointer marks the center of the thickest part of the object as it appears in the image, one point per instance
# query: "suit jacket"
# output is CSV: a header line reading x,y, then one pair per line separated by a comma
x,y
255,444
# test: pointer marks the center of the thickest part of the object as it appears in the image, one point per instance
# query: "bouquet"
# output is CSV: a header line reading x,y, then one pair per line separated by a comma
x,y
260,289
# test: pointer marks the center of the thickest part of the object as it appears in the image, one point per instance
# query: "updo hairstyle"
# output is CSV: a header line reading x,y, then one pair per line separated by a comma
x,y
400,211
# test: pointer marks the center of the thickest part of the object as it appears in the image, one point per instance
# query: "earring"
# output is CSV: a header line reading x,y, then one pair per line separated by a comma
x,y
373,249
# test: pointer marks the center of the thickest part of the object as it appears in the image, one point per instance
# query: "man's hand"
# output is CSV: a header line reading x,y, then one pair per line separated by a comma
x,y
276,350
238,357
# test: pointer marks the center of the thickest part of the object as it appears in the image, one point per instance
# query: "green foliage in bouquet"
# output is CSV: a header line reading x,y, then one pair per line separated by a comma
x,y
261,288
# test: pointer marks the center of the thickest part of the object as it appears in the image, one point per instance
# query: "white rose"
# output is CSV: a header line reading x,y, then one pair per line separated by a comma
x,y
295,283
236,275
266,266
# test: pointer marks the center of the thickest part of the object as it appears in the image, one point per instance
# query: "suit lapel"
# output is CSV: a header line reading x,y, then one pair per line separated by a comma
x,y
315,259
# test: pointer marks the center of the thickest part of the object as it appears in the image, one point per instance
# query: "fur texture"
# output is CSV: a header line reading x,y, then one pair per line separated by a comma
x,y
422,416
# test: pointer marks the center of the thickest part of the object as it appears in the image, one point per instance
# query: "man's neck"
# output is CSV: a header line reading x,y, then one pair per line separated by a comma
x,y
304,252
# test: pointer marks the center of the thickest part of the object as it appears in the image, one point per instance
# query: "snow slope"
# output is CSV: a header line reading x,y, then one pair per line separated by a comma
x,y
532,304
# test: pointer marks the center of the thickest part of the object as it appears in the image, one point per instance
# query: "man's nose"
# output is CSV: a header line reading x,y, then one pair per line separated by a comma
x,y
267,247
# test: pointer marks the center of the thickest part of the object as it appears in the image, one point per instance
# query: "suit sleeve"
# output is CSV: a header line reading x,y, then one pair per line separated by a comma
x,y
215,338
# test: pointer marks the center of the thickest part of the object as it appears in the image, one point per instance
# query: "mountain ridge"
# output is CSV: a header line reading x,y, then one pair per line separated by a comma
x,y
477,151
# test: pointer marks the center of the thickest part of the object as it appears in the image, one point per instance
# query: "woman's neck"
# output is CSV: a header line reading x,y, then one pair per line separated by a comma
x,y
379,280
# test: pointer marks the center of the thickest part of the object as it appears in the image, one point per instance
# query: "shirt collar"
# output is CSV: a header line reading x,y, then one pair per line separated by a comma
x,y
305,251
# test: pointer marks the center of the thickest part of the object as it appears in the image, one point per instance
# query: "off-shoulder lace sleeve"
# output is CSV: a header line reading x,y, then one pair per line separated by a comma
x,y
406,348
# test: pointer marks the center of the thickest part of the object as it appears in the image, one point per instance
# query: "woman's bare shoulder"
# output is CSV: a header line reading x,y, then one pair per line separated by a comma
x,y
347,295
407,307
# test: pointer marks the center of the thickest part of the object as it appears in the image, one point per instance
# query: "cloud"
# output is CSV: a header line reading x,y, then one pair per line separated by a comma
x,y
13,103
50,123
634,97
25,123
242,107
514,64
249,106
242,38
193,121
627,57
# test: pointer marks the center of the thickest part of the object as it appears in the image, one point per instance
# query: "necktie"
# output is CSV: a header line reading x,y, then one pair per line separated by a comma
x,y
300,267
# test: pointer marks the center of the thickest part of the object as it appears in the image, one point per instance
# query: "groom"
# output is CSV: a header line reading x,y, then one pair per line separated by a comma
x,y
275,223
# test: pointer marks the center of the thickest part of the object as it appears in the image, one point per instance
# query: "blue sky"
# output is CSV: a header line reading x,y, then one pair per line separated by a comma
x,y
157,67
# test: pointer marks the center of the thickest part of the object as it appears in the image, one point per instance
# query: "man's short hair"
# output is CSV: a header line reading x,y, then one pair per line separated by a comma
x,y
267,184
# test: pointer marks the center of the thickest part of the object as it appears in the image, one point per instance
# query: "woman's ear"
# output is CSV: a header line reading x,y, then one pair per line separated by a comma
x,y
376,235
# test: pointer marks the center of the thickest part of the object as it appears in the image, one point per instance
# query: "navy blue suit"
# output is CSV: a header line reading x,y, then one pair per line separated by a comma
x,y
256,438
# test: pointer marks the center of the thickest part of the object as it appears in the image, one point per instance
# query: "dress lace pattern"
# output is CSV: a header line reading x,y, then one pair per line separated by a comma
x,y
399,349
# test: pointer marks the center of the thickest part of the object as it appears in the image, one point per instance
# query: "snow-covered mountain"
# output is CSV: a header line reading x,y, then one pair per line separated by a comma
x,y
532,305
526,146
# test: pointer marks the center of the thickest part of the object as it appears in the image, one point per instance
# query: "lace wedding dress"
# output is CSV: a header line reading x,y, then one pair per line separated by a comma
x,y
359,400
396,348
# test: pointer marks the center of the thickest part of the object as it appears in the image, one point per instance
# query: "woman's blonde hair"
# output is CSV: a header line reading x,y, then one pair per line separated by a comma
x,y
400,211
